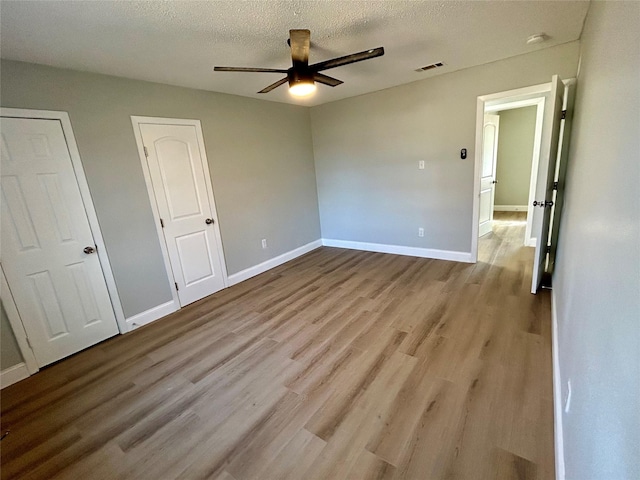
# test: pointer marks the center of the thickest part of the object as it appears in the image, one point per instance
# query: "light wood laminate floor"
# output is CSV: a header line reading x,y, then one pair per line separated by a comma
x,y
339,364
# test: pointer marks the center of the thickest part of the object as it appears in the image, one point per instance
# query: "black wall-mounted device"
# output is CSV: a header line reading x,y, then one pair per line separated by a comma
x,y
463,153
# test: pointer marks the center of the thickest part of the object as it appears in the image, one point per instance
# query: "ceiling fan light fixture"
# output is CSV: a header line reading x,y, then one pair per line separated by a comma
x,y
301,85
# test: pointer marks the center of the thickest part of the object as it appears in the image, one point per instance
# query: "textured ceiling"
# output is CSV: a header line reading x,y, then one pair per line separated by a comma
x,y
179,42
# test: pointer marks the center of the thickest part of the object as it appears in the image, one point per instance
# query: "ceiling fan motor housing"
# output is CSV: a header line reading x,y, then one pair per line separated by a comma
x,y
298,75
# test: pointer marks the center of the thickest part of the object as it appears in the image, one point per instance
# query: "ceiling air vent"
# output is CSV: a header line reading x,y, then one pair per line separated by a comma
x,y
429,67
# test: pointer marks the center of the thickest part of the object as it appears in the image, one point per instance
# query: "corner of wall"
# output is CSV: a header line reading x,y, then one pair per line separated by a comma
x,y
557,391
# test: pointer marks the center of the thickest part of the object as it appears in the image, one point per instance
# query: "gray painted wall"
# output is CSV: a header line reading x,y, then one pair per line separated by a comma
x,y
367,150
597,278
9,352
515,153
260,157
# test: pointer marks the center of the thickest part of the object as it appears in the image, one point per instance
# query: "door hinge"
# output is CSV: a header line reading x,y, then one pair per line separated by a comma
x,y
146,152
548,248
177,289
29,343
564,114
555,186
161,223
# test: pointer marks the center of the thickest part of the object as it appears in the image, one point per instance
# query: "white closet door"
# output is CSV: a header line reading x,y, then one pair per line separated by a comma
x,y
48,252
177,174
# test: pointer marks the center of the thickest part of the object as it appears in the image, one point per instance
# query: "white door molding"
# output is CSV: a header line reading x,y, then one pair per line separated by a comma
x,y
486,102
16,325
76,162
538,102
136,121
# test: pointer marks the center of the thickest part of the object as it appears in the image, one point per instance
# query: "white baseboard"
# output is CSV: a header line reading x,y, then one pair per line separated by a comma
x,y
272,263
152,314
557,392
510,208
13,374
171,306
401,250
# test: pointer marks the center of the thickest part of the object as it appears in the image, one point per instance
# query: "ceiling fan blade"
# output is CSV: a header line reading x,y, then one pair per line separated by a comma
x,y
248,69
300,41
347,59
274,85
326,79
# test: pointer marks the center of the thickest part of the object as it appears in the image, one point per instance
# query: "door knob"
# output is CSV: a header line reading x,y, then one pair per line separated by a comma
x,y
495,181
89,250
542,204
209,221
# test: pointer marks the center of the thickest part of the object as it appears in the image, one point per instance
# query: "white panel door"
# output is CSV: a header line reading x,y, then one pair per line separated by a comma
x,y
178,174
488,180
546,173
58,286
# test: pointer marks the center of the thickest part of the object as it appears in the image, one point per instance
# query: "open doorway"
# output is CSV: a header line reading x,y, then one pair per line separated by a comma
x,y
551,102
512,133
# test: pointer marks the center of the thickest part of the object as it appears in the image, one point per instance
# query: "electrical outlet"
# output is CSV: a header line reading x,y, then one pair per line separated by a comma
x,y
264,243
421,165
421,232
567,400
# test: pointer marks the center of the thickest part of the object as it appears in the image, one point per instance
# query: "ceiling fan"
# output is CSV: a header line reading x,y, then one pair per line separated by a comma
x,y
302,76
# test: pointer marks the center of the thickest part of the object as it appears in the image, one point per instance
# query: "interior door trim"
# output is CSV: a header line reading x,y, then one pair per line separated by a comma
x,y
136,121
488,100
482,101
76,162
17,326
539,103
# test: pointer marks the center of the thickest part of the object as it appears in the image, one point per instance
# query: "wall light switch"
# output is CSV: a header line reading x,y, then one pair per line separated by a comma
x,y
421,232
421,165
264,243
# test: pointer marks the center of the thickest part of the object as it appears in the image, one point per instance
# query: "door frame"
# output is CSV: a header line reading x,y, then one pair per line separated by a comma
x,y
520,94
17,326
539,103
94,226
136,121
